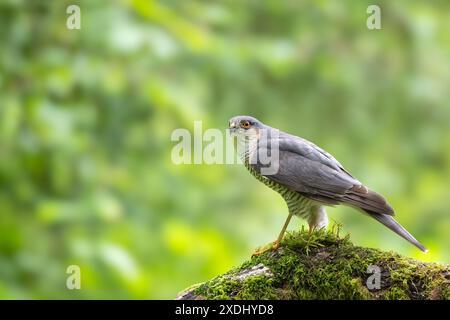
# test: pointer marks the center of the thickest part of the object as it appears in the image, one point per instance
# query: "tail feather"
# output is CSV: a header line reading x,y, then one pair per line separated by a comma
x,y
368,200
390,222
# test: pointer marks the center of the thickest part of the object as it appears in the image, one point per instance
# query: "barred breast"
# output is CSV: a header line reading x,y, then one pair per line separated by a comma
x,y
297,204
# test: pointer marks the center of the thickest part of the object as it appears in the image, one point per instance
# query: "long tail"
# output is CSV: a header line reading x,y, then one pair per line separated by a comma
x,y
390,222
377,207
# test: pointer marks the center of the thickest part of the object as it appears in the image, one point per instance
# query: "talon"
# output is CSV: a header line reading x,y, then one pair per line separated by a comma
x,y
275,245
272,246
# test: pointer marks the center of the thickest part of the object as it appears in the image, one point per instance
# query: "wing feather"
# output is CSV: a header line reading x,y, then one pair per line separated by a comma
x,y
311,171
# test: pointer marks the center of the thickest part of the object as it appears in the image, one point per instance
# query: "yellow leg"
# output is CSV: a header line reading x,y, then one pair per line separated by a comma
x,y
276,244
312,228
286,223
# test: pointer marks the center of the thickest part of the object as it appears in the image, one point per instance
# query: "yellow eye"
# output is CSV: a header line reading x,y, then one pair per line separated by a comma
x,y
245,124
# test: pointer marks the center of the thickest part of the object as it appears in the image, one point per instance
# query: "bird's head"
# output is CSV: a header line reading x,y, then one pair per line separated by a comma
x,y
245,126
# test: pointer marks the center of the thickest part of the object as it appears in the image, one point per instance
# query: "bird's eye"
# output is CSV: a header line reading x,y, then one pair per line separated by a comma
x,y
245,124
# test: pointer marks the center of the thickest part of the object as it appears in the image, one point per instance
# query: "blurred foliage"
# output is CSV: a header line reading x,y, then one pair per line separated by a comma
x,y
86,116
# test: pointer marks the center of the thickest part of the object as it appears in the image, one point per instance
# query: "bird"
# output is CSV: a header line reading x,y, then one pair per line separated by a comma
x,y
307,177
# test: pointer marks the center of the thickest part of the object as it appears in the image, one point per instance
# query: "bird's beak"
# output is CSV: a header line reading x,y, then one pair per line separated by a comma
x,y
232,126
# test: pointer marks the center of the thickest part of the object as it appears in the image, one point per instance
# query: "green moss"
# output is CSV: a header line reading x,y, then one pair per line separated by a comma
x,y
258,287
395,293
324,265
445,293
221,288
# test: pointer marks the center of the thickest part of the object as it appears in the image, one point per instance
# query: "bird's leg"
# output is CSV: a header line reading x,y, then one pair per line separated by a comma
x,y
283,230
311,229
318,219
276,244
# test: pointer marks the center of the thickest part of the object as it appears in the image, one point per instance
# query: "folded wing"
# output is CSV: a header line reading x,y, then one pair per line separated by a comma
x,y
311,171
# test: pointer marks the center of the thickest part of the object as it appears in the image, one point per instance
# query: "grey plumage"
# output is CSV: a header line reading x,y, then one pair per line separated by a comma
x,y
312,173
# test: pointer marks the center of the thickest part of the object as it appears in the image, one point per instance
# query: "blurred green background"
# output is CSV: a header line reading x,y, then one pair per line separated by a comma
x,y
86,116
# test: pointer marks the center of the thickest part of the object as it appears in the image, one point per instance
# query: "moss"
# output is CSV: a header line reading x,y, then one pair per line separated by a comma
x,y
222,288
445,293
259,287
395,293
324,265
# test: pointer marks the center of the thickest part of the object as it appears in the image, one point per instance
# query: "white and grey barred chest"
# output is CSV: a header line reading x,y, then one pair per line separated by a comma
x,y
297,204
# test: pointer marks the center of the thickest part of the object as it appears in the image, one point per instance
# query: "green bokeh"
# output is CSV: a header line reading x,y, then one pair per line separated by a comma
x,y
86,117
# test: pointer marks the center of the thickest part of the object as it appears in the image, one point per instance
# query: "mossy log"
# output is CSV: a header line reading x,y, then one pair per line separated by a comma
x,y
323,265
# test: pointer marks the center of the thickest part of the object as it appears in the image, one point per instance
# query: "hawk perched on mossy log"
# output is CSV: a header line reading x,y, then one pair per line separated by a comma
x,y
307,177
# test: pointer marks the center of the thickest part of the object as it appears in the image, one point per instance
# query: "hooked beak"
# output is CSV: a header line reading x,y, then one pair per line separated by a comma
x,y
232,126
